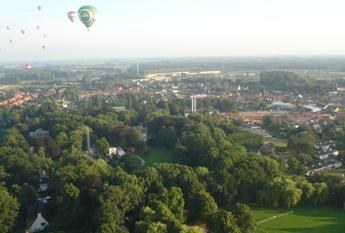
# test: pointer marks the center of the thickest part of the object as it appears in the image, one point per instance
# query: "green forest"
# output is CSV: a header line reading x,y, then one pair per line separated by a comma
x,y
209,183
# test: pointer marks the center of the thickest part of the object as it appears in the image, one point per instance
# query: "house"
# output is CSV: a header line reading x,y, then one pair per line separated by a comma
x,y
38,225
44,184
281,106
325,149
39,133
143,132
43,187
63,103
119,109
44,200
35,211
117,152
323,166
112,151
311,108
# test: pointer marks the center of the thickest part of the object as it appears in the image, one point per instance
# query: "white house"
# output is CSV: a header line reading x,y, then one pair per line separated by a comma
x,y
44,200
116,151
43,187
120,109
311,108
144,132
39,224
39,133
281,106
324,166
112,151
325,149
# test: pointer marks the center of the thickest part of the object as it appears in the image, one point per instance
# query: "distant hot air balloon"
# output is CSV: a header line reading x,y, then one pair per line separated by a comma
x,y
87,15
72,15
27,67
39,8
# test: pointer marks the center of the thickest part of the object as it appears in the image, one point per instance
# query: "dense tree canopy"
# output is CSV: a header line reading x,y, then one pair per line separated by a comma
x,y
216,169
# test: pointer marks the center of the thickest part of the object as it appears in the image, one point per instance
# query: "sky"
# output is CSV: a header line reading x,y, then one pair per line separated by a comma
x,y
172,28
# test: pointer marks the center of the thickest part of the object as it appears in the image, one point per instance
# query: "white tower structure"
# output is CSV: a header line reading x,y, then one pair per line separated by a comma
x,y
194,104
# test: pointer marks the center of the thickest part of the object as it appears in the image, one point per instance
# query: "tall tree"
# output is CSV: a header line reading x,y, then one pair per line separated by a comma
x,y
8,211
102,146
222,221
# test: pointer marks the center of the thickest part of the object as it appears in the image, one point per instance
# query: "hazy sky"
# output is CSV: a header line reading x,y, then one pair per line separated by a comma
x,y
164,28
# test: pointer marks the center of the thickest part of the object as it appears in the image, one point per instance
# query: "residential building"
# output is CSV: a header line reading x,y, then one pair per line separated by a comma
x,y
311,108
279,106
326,165
325,150
39,133
117,152
38,225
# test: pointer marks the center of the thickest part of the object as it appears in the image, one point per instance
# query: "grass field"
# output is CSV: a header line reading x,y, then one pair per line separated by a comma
x,y
280,143
302,220
155,155
158,155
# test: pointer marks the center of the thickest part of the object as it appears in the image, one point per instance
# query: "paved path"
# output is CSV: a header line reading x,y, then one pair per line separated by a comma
x,y
274,217
141,160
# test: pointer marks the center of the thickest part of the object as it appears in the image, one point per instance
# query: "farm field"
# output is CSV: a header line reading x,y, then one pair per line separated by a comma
x,y
301,220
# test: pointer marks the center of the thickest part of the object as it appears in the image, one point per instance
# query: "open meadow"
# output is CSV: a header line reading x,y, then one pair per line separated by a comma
x,y
300,220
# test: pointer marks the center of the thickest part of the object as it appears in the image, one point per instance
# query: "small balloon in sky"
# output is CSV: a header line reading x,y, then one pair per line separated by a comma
x,y
72,15
27,67
87,15
39,8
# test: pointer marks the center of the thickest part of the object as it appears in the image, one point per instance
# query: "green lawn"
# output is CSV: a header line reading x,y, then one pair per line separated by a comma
x,y
158,155
303,220
280,143
155,155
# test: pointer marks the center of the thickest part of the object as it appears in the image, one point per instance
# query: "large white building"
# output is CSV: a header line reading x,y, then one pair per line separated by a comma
x,y
311,108
281,106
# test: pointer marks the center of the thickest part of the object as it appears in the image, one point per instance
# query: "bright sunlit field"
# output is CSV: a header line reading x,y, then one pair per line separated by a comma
x,y
302,220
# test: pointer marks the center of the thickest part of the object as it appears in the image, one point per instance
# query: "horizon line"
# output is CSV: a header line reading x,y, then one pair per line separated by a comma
x,y
162,58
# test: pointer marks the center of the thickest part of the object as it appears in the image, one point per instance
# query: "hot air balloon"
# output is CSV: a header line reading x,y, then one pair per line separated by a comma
x,y
39,8
87,15
27,67
72,15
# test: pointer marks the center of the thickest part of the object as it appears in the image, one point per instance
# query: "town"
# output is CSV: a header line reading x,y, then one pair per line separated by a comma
x,y
131,116
172,116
